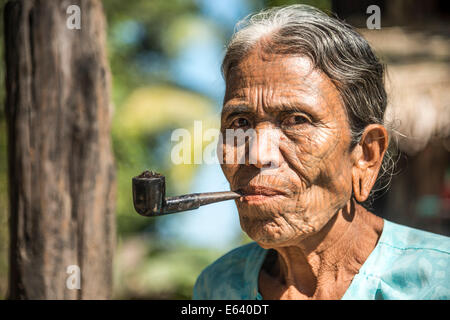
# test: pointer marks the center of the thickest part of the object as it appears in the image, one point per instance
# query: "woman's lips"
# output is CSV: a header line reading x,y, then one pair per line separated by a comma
x,y
252,194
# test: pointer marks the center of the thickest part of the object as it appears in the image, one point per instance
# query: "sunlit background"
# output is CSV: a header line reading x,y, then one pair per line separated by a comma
x,y
165,61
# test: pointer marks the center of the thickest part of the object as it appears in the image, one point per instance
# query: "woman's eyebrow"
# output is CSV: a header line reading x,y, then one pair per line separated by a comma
x,y
228,110
295,108
292,107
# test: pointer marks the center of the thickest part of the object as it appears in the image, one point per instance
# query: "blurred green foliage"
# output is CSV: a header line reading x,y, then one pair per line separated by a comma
x,y
138,50
145,268
143,39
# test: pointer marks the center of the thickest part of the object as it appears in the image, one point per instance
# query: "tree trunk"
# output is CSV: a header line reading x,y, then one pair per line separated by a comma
x,y
61,171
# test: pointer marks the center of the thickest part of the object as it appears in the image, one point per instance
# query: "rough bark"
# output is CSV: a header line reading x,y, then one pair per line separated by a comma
x,y
61,172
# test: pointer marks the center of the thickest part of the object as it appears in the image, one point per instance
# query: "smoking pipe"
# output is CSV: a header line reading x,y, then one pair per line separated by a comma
x,y
149,191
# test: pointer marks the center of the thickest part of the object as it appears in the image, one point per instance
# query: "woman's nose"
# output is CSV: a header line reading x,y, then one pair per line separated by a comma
x,y
263,149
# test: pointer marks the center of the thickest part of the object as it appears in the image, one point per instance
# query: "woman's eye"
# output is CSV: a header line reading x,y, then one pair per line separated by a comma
x,y
240,123
295,120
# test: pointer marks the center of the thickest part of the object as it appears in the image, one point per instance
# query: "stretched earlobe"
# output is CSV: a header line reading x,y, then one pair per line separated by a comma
x,y
360,190
367,158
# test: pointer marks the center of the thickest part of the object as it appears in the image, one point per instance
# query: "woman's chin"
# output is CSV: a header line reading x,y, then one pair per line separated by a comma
x,y
270,236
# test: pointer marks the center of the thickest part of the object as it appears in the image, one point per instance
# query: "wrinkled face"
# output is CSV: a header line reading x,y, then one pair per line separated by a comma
x,y
298,169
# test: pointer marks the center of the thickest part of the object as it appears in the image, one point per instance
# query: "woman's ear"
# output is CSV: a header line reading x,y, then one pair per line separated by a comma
x,y
367,159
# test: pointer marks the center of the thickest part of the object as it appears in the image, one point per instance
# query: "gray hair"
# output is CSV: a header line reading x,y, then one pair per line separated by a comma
x,y
334,47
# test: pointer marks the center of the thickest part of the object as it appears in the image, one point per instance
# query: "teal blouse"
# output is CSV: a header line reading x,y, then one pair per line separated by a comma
x,y
406,264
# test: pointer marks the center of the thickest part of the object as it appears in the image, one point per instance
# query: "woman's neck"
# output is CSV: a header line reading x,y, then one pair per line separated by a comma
x,y
323,265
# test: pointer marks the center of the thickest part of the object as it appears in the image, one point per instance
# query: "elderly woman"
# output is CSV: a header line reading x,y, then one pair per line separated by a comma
x,y
315,85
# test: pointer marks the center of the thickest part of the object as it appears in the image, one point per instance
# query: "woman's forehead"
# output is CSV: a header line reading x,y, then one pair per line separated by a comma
x,y
261,67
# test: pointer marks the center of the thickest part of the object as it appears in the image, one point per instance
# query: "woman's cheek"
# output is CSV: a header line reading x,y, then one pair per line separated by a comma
x,y
226,154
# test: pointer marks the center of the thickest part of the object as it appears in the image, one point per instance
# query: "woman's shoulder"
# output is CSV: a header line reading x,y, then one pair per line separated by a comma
x,y
230,276
402,237
409,263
